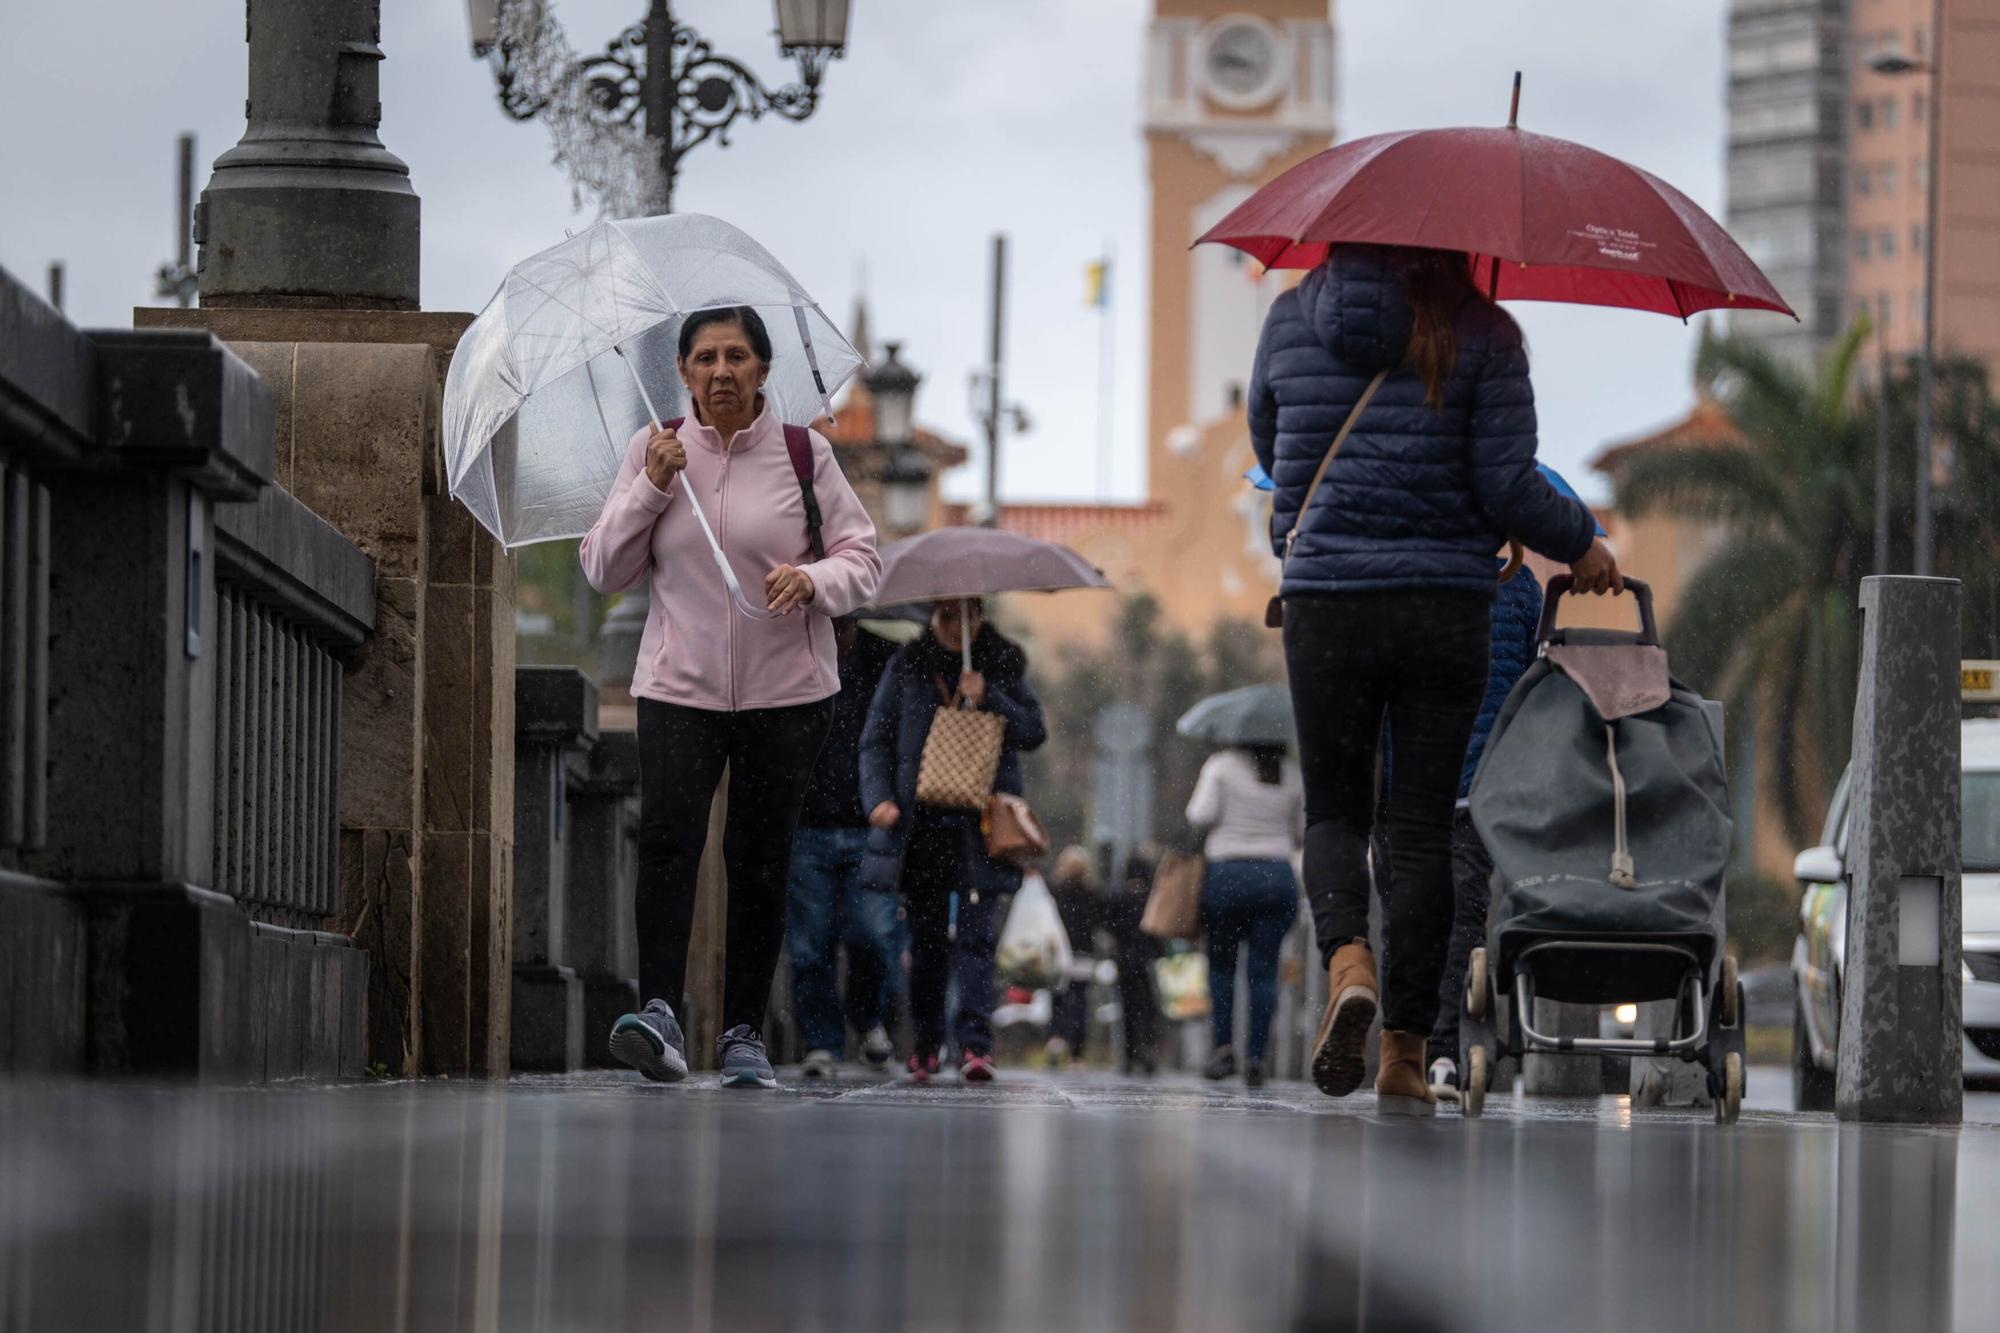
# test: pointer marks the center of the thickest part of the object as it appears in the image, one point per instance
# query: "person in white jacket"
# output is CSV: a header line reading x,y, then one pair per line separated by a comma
x,y
1251,803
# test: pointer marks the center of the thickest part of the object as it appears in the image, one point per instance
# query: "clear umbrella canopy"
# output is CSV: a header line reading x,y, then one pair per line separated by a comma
x,y
578,348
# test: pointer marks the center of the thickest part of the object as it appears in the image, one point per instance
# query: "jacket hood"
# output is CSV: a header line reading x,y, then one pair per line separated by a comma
x,y
1359,307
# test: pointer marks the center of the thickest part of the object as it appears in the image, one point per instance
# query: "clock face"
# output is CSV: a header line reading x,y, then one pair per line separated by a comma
x,y
1240,61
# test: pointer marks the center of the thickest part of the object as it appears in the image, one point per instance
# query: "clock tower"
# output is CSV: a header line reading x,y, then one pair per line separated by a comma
x,y
1234,94
1236,91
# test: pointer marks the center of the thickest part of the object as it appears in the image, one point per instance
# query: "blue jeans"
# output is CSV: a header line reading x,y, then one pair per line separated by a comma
x,y
1254,902
827,908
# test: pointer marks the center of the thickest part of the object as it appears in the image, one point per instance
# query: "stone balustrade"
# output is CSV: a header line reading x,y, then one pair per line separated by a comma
x,y
173,638
575,808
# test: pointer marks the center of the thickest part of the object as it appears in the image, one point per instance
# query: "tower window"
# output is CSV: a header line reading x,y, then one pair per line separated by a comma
x,y
1862,242
1864,115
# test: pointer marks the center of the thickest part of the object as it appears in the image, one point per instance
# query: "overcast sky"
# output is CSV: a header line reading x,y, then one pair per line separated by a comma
x,y
948,121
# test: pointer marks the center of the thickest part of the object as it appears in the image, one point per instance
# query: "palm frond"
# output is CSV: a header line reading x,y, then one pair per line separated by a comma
x,y
1722,484
1731,595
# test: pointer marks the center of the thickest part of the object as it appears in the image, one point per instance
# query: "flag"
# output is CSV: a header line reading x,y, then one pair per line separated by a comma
x,y
1097,284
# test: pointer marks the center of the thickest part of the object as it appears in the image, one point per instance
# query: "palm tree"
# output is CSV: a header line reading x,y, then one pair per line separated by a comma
x,y
1769,624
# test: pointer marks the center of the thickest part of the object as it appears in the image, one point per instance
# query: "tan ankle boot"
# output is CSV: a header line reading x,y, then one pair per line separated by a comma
x,y
1400,1087
1340,1048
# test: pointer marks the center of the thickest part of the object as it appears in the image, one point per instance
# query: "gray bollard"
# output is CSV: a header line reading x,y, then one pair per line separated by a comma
x,y
1900,1027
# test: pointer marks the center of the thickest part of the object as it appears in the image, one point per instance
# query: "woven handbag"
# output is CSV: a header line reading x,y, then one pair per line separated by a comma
x,y
961,755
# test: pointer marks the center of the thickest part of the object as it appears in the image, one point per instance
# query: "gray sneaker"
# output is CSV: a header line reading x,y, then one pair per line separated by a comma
x,y
876,1049
651,1042
819,1064
744,1063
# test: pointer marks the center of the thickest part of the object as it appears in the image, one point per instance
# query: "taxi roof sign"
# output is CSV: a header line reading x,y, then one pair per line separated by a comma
x,y
1979,682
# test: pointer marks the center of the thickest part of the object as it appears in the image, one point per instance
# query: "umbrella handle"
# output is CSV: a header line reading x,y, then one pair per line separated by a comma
x,y
687,492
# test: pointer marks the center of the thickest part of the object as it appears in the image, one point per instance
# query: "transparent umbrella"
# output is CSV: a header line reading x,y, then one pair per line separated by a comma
x,y
577,350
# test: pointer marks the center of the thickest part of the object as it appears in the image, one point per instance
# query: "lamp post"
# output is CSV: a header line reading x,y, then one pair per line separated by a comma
x,y
1894,63
905,474
665,72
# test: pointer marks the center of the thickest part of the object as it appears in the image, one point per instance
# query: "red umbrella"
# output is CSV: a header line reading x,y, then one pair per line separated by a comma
x,y
1541,219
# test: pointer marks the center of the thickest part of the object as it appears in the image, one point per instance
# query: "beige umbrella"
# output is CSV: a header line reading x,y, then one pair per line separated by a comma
x,y
978,562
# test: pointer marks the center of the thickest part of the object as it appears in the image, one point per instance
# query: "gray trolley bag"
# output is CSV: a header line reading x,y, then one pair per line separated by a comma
x,y
1602,801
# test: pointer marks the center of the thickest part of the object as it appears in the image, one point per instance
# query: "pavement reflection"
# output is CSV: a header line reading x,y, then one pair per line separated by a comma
x,y
1038,1203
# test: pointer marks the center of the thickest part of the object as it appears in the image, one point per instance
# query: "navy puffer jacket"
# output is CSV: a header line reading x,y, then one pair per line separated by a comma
x,y
1417,498
1517,616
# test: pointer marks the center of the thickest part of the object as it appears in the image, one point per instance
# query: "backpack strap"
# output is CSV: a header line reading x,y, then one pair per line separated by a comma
x,y
798,443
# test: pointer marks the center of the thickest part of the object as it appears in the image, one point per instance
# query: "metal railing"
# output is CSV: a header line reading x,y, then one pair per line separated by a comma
x,y
279,646
24,659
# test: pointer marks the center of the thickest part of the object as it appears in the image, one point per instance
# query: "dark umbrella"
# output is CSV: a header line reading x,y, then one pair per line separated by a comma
x,y
1253,715
1540,219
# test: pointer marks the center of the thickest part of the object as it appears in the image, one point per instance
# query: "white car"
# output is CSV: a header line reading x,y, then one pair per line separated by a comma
x,y
1819,954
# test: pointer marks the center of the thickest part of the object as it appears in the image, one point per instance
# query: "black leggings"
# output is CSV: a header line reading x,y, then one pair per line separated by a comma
x,y
1419,658
771,753
937,862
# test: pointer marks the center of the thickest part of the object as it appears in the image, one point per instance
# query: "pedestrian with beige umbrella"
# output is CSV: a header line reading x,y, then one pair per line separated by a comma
x,y
941,769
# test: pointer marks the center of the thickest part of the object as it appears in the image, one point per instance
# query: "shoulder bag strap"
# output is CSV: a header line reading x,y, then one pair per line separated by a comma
x,y
1354,415
798,443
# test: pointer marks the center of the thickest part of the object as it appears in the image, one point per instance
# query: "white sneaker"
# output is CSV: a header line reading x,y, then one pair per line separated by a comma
x,y
876,1048
819,1064
1444,1078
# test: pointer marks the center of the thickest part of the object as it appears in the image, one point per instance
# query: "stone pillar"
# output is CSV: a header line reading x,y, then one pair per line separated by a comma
x,y
1901,1057
555,725
309,235
309,208
599,942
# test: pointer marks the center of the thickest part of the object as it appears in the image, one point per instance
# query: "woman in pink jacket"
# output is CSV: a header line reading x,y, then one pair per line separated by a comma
x,y
716,684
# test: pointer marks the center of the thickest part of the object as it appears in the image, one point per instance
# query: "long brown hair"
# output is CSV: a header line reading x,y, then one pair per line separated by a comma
x,y
1437,283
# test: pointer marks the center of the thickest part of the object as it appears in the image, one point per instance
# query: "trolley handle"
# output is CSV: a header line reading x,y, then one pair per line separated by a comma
x,y
1642,592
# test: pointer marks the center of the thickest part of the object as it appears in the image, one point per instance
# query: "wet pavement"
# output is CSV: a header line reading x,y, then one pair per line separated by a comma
x,y
1041,1203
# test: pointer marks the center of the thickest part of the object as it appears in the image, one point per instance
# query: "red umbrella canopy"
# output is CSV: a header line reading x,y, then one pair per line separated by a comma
x,y
1541,219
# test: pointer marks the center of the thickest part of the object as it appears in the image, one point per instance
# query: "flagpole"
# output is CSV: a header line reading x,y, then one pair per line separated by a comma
x,y
1107,358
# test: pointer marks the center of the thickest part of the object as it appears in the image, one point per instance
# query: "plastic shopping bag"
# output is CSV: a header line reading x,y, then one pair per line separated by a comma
x,y
1181,980
1034,948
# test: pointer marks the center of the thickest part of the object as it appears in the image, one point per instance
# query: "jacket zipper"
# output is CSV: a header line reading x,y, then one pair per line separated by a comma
x,y
722,539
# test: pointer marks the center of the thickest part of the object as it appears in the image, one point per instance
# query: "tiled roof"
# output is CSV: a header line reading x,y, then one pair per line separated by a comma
x,y
1707,422
1068,522
853,424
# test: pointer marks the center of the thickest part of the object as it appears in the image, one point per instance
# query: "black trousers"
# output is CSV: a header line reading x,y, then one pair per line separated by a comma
x,y
770,753
1419,659
937,862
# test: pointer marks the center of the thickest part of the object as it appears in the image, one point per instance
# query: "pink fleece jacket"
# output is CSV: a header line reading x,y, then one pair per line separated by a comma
x,y
698,649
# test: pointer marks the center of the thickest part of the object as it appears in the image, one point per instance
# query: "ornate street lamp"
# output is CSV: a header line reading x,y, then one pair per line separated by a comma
x,y
906,473
892,386
663,75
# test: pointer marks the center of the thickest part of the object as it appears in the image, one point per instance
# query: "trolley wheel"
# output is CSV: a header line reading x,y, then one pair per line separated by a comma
x,y
1728,1008
1730,1104
1472,1096
1476,989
